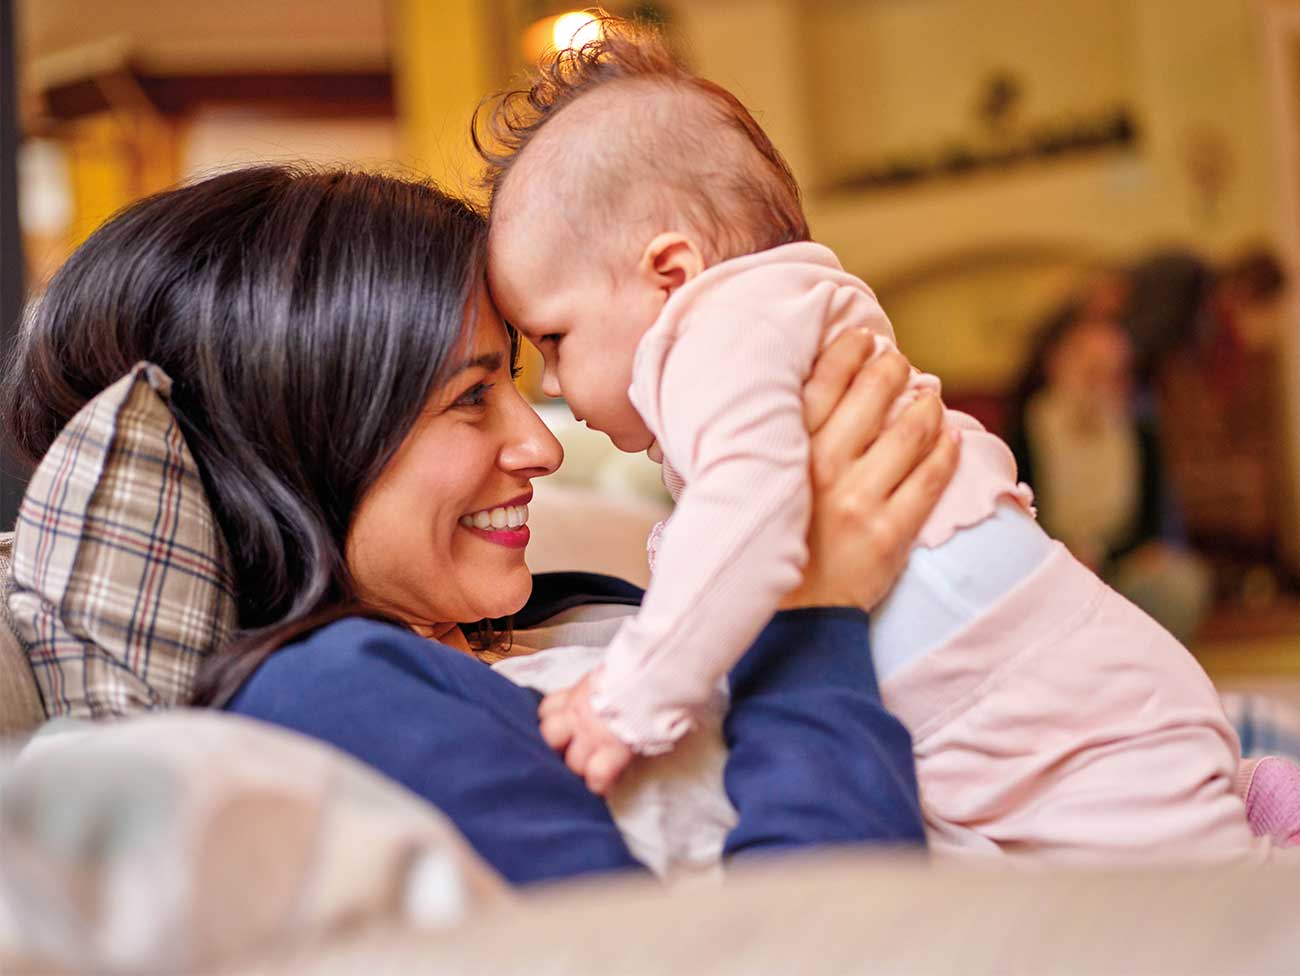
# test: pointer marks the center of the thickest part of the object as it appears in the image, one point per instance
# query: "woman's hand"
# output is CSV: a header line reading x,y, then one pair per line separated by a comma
x,y
873,488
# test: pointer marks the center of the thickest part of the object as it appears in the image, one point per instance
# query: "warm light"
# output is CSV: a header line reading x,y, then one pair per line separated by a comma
x,y
573,30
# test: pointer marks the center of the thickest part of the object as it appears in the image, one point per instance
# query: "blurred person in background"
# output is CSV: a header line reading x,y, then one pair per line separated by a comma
x,y
1208,363
1177,301
1094,462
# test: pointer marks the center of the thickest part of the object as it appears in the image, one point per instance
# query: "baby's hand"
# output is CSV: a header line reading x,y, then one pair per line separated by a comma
x,y
570,726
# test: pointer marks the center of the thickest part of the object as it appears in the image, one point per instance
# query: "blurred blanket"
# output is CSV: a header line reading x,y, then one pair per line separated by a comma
x,y
169,842
1266,724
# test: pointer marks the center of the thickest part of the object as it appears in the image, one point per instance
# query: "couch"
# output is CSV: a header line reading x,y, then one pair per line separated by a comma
x,y
272,854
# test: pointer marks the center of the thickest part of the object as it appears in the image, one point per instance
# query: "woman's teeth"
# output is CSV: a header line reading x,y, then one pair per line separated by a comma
x,y
501,517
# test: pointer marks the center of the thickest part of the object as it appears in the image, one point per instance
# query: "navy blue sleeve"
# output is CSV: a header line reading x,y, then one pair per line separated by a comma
x,y
450,729
814,756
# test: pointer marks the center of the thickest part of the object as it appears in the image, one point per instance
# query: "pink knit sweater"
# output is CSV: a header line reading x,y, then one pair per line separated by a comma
x,y
718,380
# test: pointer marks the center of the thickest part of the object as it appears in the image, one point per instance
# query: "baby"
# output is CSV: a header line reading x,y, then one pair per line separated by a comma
x,y
647,237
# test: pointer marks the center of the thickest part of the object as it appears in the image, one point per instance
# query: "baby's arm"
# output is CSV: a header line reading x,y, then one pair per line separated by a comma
x,y
731,420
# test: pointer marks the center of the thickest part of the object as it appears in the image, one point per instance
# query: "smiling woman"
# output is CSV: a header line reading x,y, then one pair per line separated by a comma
x,y
343,382
463,523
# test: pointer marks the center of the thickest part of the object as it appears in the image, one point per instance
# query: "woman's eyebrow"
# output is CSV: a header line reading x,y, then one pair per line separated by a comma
x,y
490,361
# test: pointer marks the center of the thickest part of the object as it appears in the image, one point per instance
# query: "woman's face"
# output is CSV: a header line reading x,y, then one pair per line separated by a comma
x,y
1093,366
413,549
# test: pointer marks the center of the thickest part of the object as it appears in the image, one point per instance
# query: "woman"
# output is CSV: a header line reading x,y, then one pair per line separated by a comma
x,y
343,382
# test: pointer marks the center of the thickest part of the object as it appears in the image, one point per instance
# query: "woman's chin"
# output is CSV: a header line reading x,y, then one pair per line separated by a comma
x,y
514,588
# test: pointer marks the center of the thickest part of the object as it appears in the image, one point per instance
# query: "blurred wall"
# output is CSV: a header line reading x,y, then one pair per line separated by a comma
x,y
965,264
837,82
213,36
220,138
904,74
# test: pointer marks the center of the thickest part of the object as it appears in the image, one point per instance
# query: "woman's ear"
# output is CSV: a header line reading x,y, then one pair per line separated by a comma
x,y
671,260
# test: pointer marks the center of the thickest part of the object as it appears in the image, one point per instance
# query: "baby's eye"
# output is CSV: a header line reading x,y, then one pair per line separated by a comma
x,y
475,396
551,337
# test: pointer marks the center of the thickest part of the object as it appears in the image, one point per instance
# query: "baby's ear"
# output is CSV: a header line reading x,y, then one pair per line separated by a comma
x,y
671,260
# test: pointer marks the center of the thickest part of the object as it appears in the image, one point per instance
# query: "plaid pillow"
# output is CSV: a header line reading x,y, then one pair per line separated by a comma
x,y
120,581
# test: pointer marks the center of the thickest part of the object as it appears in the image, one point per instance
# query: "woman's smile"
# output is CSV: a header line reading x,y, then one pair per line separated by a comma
x,y
505,524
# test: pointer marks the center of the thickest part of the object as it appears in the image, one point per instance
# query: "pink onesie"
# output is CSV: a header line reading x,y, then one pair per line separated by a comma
x,y
1061,715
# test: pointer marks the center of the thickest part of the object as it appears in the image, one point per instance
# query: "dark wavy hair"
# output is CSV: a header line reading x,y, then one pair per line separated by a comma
x,y
305,317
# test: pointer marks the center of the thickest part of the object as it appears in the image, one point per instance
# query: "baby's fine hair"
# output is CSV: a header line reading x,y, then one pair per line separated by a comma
x,y
678,148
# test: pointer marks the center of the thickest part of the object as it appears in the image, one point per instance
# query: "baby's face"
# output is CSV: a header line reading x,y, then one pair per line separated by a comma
x,y
585,319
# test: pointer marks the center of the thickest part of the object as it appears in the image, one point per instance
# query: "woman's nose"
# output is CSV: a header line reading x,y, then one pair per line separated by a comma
x,y
530,449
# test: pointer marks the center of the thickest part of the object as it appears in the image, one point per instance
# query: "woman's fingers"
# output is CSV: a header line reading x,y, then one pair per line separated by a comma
x,y
883,466
889,530
833,372
859,416
915,497
875,477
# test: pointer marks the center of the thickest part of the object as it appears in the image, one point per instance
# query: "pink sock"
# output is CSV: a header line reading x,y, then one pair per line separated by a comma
x,y
1273,800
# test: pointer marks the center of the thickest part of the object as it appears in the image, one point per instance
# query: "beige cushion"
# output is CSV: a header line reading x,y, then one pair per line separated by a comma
x,y
120,581
20,702
852,912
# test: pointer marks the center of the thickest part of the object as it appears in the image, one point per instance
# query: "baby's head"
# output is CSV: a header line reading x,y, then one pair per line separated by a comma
x,y
616,177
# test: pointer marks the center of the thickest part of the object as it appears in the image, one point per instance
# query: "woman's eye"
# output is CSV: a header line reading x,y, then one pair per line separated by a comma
x,y
475,396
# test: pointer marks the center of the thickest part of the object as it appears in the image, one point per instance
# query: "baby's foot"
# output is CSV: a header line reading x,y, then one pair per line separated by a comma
x,y
591,750
1273,801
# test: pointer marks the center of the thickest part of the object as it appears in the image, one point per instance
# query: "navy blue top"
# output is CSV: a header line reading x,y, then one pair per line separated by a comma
x,y
814,757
